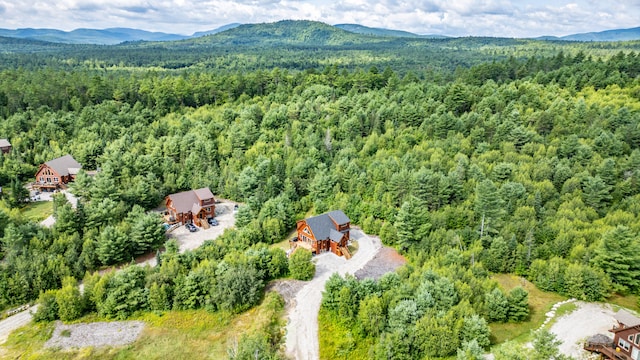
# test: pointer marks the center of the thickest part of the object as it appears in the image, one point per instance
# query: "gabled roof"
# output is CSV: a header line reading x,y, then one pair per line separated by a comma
x,y
339,217
323,227
203,193
4,143
62,165
626,318
335,236
187,201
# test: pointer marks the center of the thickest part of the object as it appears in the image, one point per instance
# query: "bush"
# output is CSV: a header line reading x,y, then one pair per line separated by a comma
x,y
300,265
70,302
238,288
47,307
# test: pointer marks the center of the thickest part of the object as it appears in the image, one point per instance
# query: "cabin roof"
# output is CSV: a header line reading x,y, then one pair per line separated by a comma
x,y
626,318
339,217
62,165
4,143
323,226
189,200
203,193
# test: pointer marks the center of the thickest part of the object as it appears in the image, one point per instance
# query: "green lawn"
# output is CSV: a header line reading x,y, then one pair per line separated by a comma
x,y
540,302
193,334
37,211
625,301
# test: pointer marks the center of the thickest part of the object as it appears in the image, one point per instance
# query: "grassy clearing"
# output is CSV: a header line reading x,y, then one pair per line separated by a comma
x,y
540,302
625,301
193,334
284,244
563,310
37,211
338,342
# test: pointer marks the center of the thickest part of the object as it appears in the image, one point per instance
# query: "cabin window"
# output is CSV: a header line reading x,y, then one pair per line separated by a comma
x,y
55,179
48,180
41,178
623,344
306,230
631,338
637,339
207,209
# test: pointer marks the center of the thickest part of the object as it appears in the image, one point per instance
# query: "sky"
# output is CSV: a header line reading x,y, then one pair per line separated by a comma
x,y
500,18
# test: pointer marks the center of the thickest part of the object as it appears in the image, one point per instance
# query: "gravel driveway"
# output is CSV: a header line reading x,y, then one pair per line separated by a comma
x,y
302,328
587,320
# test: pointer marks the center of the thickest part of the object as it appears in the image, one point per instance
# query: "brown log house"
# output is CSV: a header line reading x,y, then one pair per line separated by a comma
x,y
56,174
326,232
193,206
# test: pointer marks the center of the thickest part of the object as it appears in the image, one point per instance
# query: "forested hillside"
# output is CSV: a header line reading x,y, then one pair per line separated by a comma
x,y
526,165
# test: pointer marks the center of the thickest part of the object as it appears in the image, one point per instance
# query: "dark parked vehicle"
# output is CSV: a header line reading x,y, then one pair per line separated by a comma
x,y
212,221
191,227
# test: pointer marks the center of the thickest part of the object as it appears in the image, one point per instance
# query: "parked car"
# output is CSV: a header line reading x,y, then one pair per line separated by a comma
x,y
212,221
191,227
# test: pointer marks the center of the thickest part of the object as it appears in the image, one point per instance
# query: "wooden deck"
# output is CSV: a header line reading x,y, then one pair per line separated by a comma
x,y
606,352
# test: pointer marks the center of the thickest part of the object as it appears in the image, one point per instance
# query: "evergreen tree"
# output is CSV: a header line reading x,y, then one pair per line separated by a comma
x,y
618,255
487,203
497,305
412,223
518,304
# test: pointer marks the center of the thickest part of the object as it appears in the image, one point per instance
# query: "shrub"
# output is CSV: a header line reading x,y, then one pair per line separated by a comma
x,y
300,265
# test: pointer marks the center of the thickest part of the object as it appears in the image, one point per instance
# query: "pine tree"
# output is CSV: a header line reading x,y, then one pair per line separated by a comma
x,y
412,223
618,255
487,203
518,304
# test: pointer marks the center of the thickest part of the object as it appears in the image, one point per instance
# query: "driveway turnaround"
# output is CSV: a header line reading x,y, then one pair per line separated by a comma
x,y
302,328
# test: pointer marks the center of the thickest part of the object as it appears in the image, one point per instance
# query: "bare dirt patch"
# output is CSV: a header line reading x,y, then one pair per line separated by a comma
x,y
117,333
387,260
288,288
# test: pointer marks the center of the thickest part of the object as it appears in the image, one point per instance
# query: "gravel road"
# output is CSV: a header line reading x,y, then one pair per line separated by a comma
x,y
587,320
13,322
302,328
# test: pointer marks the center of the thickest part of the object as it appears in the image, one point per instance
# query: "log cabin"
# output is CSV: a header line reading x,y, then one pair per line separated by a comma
x,y
57,173
193,206
626,339
326,232
5,146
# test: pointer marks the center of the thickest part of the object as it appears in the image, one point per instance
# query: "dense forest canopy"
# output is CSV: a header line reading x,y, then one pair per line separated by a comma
x,y
528,163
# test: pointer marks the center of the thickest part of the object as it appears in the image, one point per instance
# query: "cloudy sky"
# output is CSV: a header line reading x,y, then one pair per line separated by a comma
x,y
508,18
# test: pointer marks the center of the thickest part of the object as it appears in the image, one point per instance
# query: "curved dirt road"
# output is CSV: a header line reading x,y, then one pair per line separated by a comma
x,y
302,328
13,322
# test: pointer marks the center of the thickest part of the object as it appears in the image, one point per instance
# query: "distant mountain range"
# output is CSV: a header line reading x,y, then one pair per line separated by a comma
x,y
113,36
607,35
360,29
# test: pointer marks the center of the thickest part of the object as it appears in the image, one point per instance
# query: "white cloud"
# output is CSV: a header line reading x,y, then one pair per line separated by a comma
x,y
513,18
